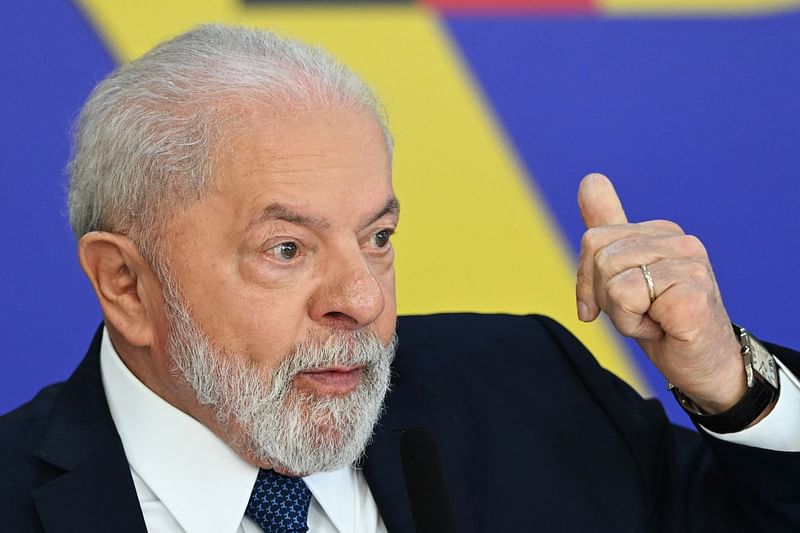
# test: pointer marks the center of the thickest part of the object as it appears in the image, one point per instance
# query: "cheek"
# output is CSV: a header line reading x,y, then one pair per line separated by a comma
x,y
249,321
247,312
267,328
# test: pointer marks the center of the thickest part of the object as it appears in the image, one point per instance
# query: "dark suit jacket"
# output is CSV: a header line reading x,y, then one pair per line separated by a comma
x,y
533,436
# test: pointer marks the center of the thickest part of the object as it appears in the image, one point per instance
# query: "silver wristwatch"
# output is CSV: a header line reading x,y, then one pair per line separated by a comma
x,y
757,359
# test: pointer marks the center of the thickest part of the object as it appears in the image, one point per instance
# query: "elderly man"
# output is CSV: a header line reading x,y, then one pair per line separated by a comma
x,y
231,192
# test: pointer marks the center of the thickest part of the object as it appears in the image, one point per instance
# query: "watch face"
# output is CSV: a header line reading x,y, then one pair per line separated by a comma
x,y
764,363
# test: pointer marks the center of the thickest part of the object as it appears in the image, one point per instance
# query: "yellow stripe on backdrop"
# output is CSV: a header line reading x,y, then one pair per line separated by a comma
x,y
695,7
474,236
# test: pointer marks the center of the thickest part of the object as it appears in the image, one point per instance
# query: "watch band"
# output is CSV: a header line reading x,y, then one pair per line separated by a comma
x,y
759,395
738,417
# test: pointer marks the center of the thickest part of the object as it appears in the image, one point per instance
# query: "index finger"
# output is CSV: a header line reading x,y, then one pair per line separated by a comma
x,y
599,203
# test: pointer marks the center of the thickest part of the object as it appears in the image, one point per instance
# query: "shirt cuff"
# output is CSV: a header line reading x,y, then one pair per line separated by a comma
x,y
780,429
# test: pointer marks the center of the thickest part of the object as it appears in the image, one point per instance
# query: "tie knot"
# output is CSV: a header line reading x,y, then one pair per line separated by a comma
x,y
279,503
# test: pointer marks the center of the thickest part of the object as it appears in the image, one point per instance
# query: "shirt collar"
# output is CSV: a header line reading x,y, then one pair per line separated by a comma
x,y
201,481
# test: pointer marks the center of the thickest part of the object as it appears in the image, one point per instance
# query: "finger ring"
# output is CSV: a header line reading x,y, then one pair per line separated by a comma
x,y
648,279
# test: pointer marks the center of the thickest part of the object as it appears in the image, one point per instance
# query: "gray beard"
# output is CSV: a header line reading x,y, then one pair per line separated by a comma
x,y
295,432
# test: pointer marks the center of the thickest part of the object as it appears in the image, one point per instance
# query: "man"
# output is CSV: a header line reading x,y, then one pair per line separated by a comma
x,y
231,193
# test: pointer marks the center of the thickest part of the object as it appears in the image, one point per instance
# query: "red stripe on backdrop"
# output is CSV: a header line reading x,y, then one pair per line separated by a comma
x,y
529,6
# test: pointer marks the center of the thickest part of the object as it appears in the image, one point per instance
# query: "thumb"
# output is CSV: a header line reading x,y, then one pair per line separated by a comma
x,y
599,203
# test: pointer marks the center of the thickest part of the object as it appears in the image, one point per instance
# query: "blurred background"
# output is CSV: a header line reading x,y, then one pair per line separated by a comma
x,y
498,108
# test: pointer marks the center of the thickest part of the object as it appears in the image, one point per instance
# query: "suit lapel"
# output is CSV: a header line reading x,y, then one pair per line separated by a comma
x,y
384,473
383,468
94,490
97,495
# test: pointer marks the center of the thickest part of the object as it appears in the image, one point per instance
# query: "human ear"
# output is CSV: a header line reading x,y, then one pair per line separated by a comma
x,y
126,286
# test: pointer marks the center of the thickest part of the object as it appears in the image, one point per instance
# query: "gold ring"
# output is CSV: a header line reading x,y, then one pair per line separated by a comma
x,y
648,279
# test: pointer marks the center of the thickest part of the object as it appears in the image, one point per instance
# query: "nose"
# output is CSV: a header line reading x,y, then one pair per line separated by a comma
x,y
349,295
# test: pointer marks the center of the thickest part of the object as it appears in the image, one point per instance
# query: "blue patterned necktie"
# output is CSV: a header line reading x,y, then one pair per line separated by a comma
x,y
278,503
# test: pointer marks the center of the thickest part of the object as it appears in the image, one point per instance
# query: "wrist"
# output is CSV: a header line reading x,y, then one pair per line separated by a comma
x,y
762,388
730,388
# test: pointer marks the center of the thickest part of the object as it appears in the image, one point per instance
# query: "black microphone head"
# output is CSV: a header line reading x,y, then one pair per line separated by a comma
x,y
427,492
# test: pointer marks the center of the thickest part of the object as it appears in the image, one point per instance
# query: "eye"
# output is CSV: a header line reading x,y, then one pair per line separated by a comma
x,y
285,251
381,238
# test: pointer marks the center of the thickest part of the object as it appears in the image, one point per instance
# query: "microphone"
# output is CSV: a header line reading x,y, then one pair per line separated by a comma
x,y
427,494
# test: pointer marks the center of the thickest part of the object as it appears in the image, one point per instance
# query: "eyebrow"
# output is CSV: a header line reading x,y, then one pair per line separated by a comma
x,y
279,211
392,207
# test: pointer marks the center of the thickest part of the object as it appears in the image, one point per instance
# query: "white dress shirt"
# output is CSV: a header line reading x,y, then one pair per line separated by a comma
x,y
188,480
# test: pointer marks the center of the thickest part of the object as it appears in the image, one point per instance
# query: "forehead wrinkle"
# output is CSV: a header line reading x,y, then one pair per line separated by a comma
x,y
279,211
307,164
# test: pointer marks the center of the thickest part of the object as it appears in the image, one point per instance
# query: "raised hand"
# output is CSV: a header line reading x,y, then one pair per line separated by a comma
x,y
684,328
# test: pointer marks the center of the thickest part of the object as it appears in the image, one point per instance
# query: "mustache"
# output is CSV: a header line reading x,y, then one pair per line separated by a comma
x,y
351,348
337,348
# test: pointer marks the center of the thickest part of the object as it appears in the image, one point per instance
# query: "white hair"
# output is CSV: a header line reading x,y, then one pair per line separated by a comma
x,y
145,140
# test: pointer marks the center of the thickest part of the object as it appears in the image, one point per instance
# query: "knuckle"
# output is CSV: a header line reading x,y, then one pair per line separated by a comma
x,y
692,246
616,290
610,257
603,258
667,226
589,240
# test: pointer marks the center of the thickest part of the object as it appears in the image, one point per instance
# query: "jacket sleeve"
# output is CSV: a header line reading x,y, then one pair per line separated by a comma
x,y
697,483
